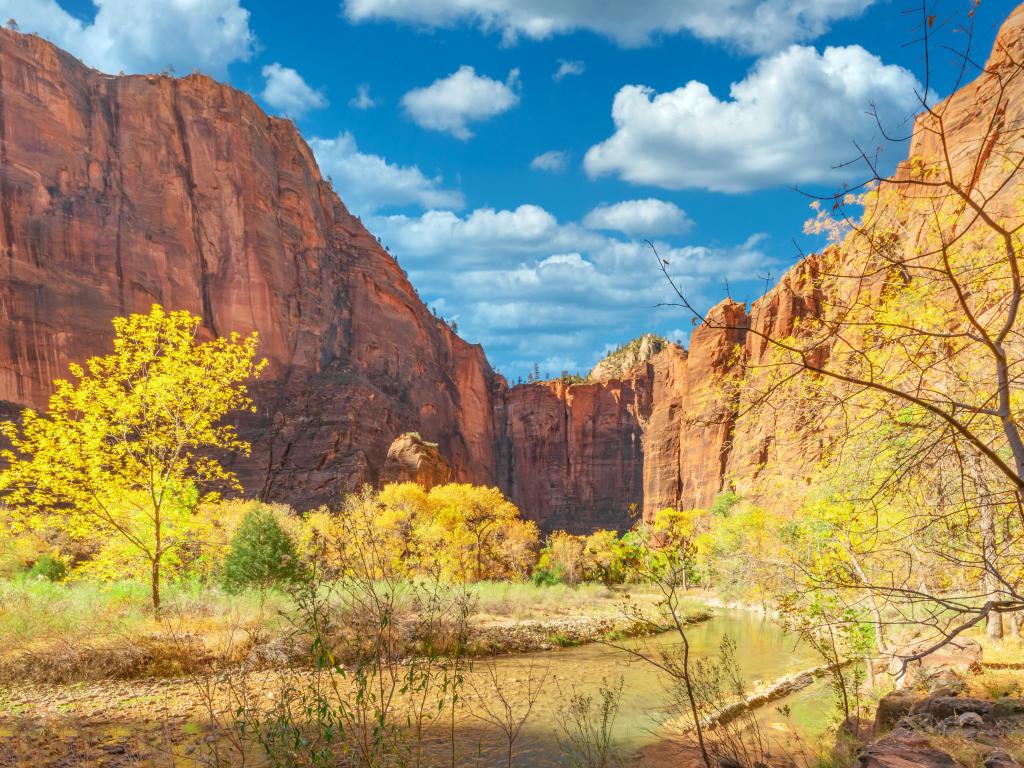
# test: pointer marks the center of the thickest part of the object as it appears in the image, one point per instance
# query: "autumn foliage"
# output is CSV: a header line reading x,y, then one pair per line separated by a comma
x,y
120,458
454,532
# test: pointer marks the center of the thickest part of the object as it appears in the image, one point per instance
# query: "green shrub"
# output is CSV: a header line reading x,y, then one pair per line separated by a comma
x,y
547,577
262,554
48,567
723,503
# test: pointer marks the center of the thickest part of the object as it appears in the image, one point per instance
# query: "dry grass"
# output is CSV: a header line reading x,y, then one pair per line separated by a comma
x,y
88,631
520,601
971,754
82,630
997,683
1009,650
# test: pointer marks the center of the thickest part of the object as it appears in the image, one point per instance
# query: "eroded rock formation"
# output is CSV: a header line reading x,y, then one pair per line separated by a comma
x,y
411,459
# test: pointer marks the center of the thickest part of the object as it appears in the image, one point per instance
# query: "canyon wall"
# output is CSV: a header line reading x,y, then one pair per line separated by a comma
x,y
696,438
118,192
571,455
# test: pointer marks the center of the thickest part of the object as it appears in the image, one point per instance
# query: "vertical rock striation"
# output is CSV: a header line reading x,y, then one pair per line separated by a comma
x,y
572,454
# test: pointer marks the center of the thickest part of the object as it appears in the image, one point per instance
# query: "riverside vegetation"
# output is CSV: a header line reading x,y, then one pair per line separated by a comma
x,y
376,622
890,543
366,634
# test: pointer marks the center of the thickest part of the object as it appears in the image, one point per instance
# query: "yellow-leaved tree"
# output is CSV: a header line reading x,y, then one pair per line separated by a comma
x,y
121,455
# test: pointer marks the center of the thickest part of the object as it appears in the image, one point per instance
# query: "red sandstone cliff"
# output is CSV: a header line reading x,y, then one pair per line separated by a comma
x,y
572,454
696,438
117,192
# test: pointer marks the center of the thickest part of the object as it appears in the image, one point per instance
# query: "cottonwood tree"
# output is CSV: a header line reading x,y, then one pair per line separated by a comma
x,y
122,453
906,364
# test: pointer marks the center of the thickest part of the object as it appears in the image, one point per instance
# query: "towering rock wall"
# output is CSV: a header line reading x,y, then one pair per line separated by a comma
x,y
571,455
118,192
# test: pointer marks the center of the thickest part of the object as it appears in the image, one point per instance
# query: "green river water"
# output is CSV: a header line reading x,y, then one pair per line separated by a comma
x,y
764,654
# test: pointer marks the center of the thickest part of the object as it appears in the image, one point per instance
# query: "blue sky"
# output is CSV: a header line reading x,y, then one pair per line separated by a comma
x,y
513,154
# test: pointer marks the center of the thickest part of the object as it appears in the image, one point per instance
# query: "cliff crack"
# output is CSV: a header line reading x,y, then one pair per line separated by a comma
x,y
114,111
197,223
5,188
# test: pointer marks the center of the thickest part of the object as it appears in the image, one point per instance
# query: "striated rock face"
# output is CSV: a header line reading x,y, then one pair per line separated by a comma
x,y
118,192
412,459
688,438
572,455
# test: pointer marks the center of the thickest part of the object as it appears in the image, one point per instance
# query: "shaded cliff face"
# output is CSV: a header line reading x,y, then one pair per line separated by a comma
x,y
118,192
572,455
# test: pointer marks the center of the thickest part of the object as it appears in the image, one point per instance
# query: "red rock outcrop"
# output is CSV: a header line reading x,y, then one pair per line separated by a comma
x,y
118,192
688,437
411,459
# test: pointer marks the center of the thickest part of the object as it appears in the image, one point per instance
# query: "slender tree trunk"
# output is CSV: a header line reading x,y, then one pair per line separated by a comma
x,y
1015,622
880,643
155,585
994,620
694,709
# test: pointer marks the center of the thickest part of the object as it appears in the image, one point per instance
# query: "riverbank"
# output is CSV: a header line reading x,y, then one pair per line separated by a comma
x,y
83,632
140,723
954,714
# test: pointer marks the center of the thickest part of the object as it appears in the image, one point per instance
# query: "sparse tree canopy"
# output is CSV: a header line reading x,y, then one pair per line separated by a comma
x,y
907,368
121,455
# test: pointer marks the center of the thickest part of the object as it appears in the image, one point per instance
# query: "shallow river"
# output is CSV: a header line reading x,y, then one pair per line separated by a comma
x,y
113,715
763,652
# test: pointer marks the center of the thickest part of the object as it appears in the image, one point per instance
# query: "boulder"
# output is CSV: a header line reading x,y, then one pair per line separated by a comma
x,y
1000,758
904,749
892,708
942,707
413,459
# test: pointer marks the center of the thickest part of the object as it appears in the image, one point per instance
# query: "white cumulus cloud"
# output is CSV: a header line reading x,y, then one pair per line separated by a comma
x,y
287,93
644,218
450,103
533,289
790,121
753,25
553,160
144,35
368,183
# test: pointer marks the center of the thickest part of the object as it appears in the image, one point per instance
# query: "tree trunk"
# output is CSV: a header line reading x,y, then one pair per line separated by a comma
x,y
1015,622
155,585
994,625
994,620
987,511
